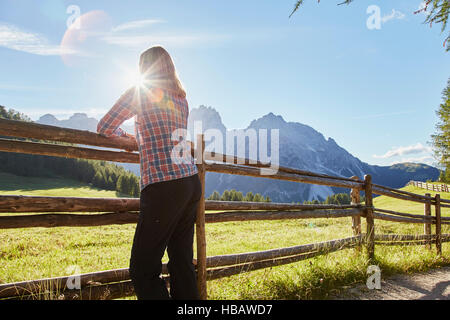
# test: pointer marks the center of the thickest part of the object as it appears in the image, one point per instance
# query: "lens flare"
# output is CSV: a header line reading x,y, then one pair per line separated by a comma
x,y
82,37
136,79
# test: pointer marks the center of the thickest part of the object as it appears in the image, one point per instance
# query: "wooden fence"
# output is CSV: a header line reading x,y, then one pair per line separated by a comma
x,y
111,284
441,187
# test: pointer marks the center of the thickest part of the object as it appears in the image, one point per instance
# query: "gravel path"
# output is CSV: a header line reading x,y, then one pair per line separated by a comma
x,y
431,285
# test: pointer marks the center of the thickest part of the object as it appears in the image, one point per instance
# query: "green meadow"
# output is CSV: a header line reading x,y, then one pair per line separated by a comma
x,y
34,253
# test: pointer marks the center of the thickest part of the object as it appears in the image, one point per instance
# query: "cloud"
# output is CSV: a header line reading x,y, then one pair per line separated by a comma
x,y
394,15
400,151
425,159
134,34
14,38
144,40
137,24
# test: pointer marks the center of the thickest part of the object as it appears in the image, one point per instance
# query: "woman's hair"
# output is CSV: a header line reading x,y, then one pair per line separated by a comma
x,y
157,67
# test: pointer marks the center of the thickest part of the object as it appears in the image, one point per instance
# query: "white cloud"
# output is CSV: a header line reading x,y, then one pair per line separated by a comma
x,y
14,38
425,159
132,34
145,40
400,151
394,15
138,24
139,41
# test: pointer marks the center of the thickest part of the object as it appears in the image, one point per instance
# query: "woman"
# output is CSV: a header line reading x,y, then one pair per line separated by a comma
x,y
170,189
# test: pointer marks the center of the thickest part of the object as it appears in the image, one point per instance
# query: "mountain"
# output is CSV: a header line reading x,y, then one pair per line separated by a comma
x,y
302,147
78,121
81,121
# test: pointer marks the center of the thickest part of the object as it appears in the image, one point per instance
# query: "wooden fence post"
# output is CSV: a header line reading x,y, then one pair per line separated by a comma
x,y
356,220
200,224
427,225
370,233
438,224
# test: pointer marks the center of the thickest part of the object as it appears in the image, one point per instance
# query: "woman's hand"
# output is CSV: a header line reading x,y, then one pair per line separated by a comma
x,y
131,137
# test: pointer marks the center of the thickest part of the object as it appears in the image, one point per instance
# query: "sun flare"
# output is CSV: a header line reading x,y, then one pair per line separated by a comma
x,y
136,79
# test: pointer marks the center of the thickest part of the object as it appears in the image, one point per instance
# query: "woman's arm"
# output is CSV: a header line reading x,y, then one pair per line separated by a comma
x,y
121,111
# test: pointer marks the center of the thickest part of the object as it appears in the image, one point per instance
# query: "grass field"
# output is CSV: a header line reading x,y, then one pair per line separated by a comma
x,y
39,252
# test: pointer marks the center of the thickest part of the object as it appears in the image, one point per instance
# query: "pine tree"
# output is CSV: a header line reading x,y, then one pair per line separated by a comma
x,y
257,198
214,196
97,181
441,139
226,196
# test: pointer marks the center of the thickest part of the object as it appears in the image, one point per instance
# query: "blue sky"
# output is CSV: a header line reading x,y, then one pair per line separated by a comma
x,y
375,91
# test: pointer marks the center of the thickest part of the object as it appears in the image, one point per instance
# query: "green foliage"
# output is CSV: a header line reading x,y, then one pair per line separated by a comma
x,y
441,139
13,114
338,198
225,196
437,13
214,196
233,195
444,176
249,196
100,174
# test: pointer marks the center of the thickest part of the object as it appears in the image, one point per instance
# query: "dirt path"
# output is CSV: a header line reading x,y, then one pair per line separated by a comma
x,y
432,285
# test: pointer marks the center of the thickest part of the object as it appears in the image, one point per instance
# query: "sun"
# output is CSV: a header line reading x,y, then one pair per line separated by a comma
x,y
136,79
131,77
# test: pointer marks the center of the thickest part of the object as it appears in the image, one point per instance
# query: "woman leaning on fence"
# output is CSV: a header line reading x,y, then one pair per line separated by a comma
x,y
170,190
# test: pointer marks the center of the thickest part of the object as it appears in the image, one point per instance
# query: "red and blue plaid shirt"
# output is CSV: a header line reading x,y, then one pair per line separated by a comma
x,y
159,113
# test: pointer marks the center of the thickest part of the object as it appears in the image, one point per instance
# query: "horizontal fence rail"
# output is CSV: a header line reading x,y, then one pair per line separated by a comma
x,y
442,187
124,215
31,130
13,203
90,220
37,211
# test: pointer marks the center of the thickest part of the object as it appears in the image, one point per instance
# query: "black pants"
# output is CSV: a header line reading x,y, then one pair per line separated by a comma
x,y
166,220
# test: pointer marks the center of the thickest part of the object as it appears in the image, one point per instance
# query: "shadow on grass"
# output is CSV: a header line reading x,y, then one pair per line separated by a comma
x,y
319,279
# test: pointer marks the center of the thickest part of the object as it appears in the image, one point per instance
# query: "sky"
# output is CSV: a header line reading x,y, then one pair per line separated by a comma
x,y
370,75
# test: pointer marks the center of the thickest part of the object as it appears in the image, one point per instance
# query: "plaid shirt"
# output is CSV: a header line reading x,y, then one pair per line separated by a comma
x,y
158,114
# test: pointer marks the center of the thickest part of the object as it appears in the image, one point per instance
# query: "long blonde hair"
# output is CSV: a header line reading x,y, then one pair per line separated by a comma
x,y
158,69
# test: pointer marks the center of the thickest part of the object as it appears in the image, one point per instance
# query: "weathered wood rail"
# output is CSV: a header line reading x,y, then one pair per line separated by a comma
x,y
438,187
82,212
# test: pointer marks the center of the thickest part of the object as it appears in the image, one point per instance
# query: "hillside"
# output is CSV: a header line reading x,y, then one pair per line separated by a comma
x,y
408,206
35,253
101,174
301,147
11,184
